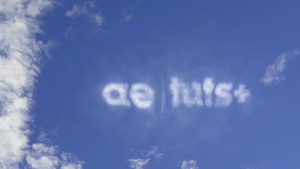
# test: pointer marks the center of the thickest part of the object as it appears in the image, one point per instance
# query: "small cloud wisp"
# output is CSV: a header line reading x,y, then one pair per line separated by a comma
x,y
139,163
274,72
87,10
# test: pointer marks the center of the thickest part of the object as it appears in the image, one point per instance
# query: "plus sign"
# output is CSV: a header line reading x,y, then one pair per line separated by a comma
x,y
241,93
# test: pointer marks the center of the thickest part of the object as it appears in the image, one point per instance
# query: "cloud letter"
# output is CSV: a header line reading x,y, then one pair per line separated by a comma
x,y
115,94
241,93
192,95
142,95
208,87
223,95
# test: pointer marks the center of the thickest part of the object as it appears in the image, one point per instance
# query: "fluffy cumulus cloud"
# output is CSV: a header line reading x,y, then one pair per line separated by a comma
x,y
274,72
19,57
86,9
139,163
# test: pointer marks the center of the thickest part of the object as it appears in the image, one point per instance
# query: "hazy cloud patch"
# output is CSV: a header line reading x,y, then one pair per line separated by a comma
x,y
139,163
87,9
127,15
274,72
189,164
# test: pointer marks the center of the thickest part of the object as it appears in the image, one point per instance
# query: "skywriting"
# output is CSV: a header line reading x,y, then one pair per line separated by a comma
x,y
149,84
189,94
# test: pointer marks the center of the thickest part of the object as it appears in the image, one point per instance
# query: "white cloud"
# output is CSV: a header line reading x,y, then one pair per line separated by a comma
x,y
274,72
241,93
142,95
87,10
189,164
19,55
139,163
208,87
115,94
154,153
224,97
188,94
47,157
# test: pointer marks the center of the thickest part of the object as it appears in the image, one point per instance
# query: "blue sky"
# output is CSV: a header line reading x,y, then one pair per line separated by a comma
x,y
116,84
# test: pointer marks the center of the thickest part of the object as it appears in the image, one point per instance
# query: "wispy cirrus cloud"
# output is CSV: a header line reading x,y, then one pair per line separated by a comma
x,y
274,72
139,163
20,53
48,157
86,9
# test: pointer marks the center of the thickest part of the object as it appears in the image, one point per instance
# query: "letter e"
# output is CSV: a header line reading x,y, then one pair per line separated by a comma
x,y
142,95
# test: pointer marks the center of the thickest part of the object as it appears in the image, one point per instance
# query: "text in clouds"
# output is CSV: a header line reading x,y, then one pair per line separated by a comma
x,y
181,93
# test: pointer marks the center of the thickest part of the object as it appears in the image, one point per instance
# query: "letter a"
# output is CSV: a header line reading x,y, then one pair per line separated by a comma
x,y
115,94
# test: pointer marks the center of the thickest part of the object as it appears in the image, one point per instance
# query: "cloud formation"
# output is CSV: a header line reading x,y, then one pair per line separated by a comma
x,y
189,94
274,72
139,163
141,95
189,164
19,57
48,157
87,10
